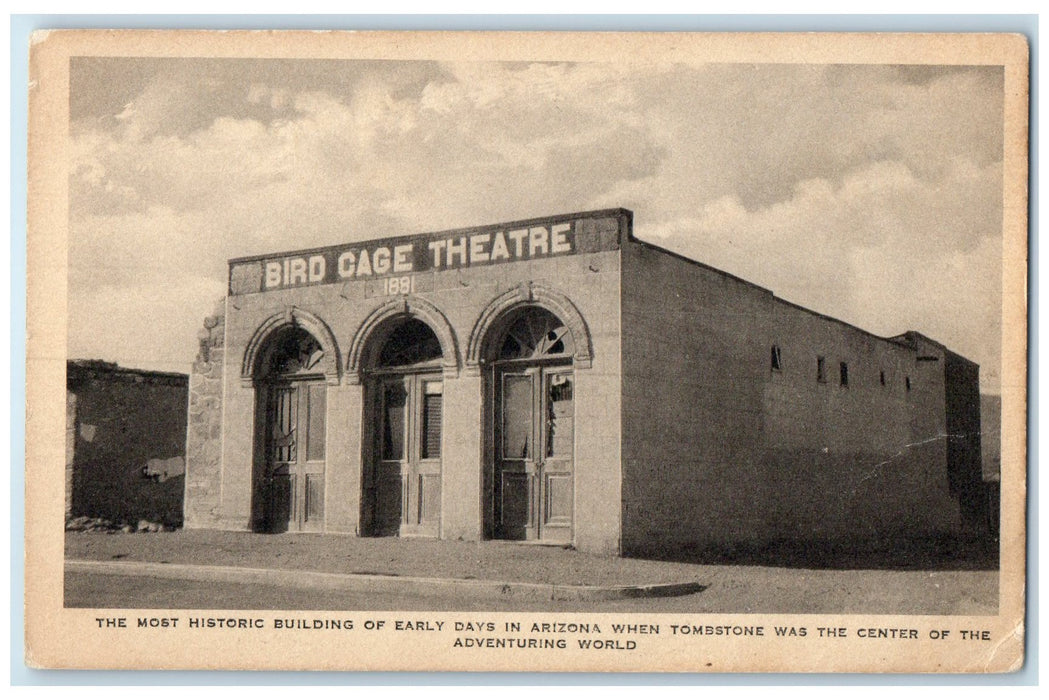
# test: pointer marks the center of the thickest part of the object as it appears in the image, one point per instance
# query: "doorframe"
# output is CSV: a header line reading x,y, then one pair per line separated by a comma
x,y
261,508
371,435
492,433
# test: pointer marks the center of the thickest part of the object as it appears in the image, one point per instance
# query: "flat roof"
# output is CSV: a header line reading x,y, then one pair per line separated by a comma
x,y
899,339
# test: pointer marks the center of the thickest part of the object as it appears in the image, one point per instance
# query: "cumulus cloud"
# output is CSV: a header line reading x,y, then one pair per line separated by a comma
x,y
881,249
872,193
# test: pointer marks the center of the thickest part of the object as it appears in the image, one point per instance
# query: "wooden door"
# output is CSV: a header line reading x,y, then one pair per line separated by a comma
x,y
557,437
517,465
295,420
407,474
534,454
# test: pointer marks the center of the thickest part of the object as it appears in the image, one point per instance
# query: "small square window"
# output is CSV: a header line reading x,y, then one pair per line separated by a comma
x,y
844,374
821,369
777,359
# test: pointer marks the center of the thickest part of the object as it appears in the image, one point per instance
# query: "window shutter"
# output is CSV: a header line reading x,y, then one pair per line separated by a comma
x,y
432,426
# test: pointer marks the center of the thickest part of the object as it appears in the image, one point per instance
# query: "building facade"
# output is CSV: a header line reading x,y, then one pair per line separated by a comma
x,y
125,443
558,380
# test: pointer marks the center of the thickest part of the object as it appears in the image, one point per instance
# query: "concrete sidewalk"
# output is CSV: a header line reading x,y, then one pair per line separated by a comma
x,y
390,565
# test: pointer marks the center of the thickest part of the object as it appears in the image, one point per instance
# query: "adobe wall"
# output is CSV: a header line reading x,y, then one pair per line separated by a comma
x,y
720,448
123,419
861,461
692,403
589,280
991,436
991,458
964,442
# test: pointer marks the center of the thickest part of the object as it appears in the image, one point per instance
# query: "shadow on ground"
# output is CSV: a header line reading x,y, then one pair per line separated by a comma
x,y
929,554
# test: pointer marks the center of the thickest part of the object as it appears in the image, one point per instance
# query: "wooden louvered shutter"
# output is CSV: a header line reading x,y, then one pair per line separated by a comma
x,y
432,407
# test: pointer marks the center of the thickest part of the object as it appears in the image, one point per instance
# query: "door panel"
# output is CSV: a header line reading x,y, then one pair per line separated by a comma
x,y
389,499
432,407
279,507
408,471
534,488
294,493
557,500
558,438
314,510
518,435
429,498
394,408
517,469
311,466
515,504
315,425
389,471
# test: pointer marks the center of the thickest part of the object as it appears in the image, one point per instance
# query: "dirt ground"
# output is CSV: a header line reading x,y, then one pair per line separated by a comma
x,y
963,590
500,561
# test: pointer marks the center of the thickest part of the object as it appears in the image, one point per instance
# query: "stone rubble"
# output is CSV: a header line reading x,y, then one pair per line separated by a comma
x,y
85,523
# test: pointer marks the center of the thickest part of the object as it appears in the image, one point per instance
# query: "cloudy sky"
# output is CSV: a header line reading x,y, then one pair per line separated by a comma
x,y
870,193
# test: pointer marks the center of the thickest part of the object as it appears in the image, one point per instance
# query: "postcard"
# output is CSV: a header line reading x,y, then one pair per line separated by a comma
x,y
527,351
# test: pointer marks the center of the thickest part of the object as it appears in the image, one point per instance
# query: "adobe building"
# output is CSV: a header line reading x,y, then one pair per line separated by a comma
x,y
991,445
125,443
559,381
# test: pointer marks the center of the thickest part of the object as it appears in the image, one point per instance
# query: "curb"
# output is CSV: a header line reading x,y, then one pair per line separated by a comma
x,y
377,583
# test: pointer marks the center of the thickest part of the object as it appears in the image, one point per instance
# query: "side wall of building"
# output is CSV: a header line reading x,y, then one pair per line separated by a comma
x,y
692,403
991,457
964,448
725,446
861,452
123,423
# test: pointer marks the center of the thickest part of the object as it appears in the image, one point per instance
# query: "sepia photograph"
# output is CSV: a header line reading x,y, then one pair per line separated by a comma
x,y
527,351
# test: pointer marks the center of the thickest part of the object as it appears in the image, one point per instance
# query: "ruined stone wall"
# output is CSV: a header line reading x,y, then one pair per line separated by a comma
x,y
127,432
204,433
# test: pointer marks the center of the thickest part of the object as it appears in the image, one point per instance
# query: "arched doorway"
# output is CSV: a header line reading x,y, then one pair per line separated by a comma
x,y
292,396
531,493
405,387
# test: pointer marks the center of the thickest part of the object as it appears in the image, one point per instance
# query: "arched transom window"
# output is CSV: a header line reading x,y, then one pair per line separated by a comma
x,y
535,334
293,352
411,343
